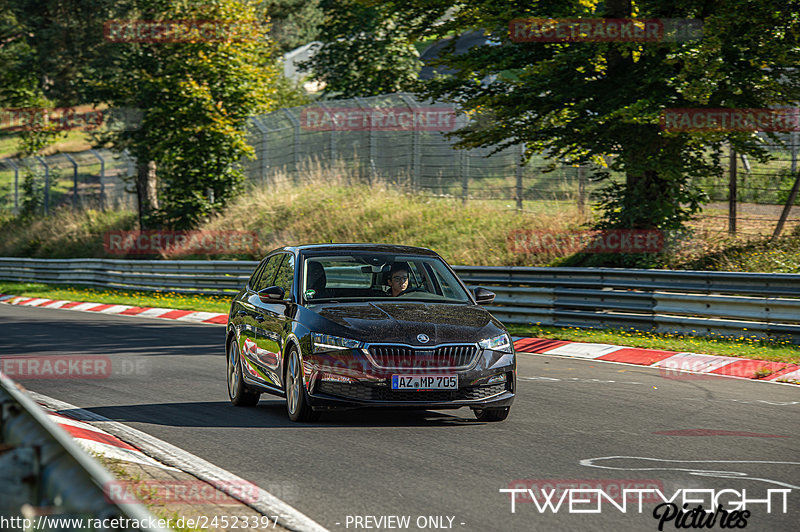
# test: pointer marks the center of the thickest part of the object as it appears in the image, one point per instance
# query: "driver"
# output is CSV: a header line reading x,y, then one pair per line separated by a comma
x,y
398,278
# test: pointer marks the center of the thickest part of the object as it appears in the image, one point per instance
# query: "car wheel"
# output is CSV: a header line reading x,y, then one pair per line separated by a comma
x,y
238,392
296,397
492,414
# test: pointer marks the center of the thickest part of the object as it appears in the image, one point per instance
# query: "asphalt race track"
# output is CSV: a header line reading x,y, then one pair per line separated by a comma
x,y
574,422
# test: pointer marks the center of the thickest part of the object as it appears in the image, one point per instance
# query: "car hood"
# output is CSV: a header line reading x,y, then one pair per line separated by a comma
x,y
402,322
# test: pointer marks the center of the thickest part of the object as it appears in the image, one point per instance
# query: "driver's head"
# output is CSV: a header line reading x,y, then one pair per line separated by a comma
x,y
398,278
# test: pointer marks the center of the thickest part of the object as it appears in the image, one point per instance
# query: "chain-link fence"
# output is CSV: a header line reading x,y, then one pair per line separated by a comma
x,y
90,179
399,139
383,138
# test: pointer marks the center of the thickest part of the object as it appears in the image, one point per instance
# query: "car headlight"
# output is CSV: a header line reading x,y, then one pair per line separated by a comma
x,y
500,343
326,342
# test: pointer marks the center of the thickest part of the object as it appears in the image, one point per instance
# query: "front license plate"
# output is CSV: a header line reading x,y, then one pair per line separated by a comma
x,y
424,382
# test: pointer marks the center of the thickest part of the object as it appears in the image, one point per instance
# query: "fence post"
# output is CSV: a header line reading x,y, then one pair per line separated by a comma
x,y
464,176
74,180
519,167
793,193
581,189
102,179
416,141
333,132
46,184
296,126
262,129
16,184
371,137
732,192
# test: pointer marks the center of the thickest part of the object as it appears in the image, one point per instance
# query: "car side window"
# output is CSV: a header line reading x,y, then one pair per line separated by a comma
x,y
256,275
285,277
268,274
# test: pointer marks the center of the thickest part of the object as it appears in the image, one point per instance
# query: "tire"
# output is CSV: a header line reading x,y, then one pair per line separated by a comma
x,y
297,406
492,414
238,392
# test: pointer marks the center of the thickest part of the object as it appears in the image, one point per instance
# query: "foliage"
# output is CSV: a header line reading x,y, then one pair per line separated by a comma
x,y
365,51
293,22
601,101
196,97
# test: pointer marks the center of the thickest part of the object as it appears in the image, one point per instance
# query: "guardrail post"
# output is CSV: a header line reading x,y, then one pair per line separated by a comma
x,y
74,180
102,179
46,184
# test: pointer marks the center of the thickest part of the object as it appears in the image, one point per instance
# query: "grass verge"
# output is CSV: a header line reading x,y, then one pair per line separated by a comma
x,y
742,347
173,300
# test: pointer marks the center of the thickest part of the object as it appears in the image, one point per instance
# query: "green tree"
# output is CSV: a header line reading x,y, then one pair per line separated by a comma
x,y
365,51
581,101
195,98
293,22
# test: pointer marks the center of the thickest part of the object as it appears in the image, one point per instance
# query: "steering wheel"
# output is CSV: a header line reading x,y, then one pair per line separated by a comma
x,y
410,290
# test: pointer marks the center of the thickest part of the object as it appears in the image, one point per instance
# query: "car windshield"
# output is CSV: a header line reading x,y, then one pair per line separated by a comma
x,y
368,276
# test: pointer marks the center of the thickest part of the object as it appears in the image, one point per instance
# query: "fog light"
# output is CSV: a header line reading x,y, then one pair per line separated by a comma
x,y
496,378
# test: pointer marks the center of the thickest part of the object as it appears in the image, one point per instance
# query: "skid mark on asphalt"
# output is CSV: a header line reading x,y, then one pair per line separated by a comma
x,y
662,464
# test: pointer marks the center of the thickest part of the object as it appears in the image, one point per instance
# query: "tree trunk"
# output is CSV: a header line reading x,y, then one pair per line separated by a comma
x,y
146,191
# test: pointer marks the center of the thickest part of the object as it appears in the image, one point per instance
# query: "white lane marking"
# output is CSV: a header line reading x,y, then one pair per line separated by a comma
x,y
199,316
590,462
792,376
154,312
695,362
56,304
576,379
162,451
35,302
115,309
86,306
581,350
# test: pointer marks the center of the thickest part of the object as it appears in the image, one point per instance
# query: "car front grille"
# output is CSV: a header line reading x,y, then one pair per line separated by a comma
x,y
399,356
364,392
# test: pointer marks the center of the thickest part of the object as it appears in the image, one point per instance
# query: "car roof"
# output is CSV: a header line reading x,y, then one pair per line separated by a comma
x,y
377,248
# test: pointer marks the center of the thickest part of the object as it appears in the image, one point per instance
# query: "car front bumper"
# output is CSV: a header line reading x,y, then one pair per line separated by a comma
x,y
350,379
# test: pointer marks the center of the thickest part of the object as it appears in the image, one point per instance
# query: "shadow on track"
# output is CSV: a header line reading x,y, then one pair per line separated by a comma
x,y
271,414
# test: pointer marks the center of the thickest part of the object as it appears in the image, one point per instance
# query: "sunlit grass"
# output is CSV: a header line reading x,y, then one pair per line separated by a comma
x,y
744,345
136,298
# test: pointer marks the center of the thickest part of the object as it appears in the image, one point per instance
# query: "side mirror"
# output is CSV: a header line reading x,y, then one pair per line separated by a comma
x,y
483,296
271,294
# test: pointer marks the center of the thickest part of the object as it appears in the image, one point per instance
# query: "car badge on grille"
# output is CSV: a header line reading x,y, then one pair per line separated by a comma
x,y
423,338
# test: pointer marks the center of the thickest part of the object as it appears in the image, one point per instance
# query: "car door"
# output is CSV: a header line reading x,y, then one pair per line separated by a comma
x,y
277,321
257,357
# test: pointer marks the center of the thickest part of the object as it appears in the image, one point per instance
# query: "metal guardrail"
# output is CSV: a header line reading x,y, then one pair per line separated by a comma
x,y
727,303
46,478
